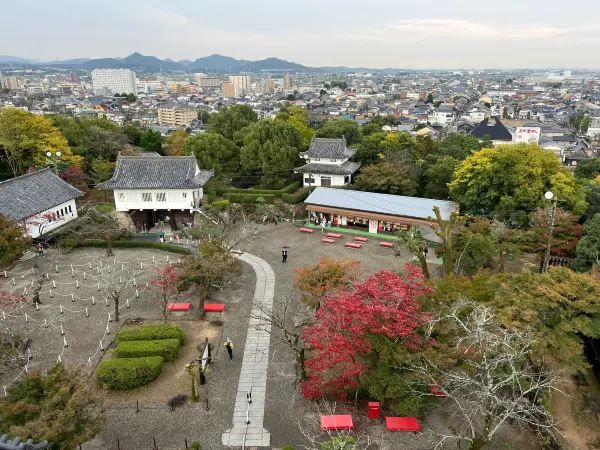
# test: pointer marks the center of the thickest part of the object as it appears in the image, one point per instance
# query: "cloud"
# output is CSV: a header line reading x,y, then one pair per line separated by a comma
x,y
459,30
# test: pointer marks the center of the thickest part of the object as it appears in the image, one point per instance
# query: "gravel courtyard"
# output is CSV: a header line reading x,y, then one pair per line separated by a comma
x,y
290,419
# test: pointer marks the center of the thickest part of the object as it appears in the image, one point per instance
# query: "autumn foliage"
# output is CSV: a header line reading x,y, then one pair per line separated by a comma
x,y
327,275
9,299
386,304
166,280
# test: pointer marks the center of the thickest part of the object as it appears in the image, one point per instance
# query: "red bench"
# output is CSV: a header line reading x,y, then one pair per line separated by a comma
x,y
386,244
214,307
402,424
333,235
328,241
361,239
306,230
341,422
352,245
179,307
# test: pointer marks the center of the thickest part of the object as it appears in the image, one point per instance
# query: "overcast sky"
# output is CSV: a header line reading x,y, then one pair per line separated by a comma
x,y
373,33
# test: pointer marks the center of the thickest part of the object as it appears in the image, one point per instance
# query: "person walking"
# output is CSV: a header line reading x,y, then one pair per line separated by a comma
x,y
40,250
284,255
229,346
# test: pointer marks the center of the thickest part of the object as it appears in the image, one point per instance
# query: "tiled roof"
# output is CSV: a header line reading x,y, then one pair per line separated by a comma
x,y
328,148
347,168
395,205
493,128
30,194
151,172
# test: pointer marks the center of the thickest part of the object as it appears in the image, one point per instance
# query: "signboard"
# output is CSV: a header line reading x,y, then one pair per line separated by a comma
x,y
527,135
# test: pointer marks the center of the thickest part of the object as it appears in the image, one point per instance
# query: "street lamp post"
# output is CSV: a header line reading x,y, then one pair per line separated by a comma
x,y
53,159
549,196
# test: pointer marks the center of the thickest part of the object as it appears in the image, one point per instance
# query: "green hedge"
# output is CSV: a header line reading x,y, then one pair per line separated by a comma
x,y
292,187
248,198
298,197
96,243
167,348
151,333
128,373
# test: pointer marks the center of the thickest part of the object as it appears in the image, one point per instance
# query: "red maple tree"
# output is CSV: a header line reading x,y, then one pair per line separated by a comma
x,y
166,280
385,304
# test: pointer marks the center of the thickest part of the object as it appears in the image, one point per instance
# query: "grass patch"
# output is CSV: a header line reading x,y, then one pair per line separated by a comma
x,y
167,348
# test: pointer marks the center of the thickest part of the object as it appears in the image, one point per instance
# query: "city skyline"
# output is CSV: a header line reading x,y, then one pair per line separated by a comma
x,y
396,34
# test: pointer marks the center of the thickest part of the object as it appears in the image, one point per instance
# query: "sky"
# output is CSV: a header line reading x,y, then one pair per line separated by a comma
x,y
419,34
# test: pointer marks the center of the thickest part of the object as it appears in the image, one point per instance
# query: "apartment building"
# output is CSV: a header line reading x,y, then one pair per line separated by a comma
x,y
176,115
113,81
241,84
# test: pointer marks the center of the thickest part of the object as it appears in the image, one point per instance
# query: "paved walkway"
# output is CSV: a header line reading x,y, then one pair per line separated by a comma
x,y
255,363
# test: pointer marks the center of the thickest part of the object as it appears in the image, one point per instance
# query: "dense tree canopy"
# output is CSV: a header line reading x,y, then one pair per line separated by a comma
x,y
271,149
340,128
12,241
588,168
588,247
25,138
387,177
298,118
214,151
513,178
559,307
151,141
60,407
175,143
230,120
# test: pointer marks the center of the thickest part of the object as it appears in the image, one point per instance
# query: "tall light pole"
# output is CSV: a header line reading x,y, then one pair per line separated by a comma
x,y
53,159
549,196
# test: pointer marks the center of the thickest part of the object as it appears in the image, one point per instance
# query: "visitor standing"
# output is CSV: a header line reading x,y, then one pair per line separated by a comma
x,y
229,346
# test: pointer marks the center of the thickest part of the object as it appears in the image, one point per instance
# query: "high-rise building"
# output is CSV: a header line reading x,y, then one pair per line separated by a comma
x,y
287,82
205,82
176,115
241,84
228,89
113,81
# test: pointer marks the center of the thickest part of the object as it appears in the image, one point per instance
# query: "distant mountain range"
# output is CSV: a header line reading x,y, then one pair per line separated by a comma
x,y
137,61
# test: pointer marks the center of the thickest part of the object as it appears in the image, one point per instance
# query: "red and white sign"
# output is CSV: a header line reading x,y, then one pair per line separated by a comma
x,y
527,135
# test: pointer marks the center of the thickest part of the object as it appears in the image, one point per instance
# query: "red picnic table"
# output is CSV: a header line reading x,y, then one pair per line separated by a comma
x,y
306,230
361,239
386,244
333,235
339,422
353,245
402,424
327,241
214,307
179,307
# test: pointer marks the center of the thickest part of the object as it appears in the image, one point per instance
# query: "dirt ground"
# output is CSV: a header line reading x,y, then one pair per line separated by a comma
x,y
578,425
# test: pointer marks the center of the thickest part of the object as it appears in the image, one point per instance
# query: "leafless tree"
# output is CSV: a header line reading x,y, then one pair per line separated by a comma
x,y
116,282
286,319
494,381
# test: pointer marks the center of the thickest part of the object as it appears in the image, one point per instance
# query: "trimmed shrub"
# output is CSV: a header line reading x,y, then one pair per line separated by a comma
x,y
221,204
96,243
248,198
123,374
298,197
167,348
292,187
151,333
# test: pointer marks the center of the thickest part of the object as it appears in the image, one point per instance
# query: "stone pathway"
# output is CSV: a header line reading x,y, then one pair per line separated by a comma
x,y
255,363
